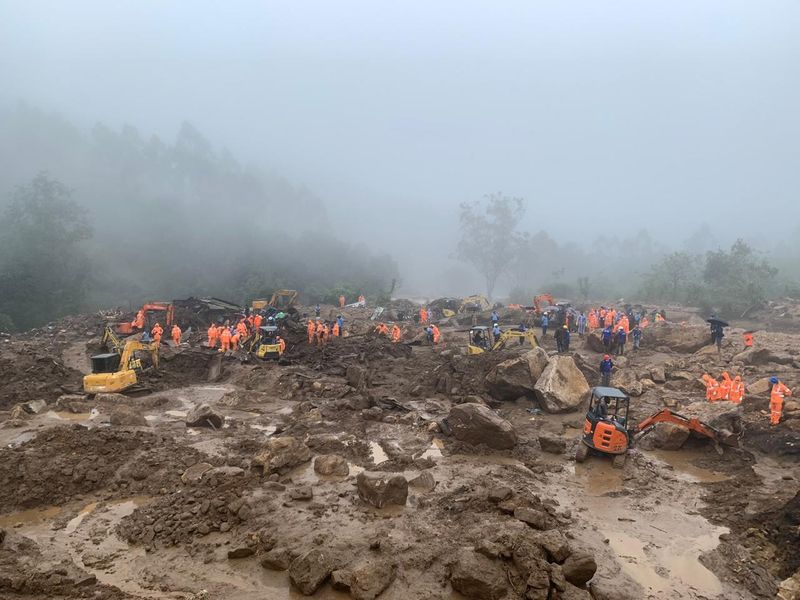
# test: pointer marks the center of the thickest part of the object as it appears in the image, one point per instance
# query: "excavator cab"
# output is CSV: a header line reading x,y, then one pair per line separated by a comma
x,y
268,346
605,429
479,340
114,372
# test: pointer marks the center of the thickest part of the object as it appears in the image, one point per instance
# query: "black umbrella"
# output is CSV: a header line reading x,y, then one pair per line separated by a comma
x,y
716,321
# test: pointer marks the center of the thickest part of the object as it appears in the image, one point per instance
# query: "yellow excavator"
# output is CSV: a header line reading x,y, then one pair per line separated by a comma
x,y
480,339
281,300
116,371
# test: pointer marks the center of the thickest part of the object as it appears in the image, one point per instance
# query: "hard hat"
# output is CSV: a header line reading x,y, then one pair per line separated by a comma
x,y
606,357
564,326
773,380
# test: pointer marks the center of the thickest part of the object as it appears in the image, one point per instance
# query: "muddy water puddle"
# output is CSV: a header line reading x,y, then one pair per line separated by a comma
x,y
653,532
33,516
682,463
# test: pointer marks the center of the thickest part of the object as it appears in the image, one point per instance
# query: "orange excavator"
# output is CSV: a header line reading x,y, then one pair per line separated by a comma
x,y
606,431
538,302
165,308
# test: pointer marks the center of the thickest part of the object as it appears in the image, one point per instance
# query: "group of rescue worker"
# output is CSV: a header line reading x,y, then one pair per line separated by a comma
x,y
432,333
230,336
320,332
728,389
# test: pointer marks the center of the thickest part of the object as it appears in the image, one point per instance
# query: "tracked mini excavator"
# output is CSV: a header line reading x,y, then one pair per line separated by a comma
x,y
606,431
116,370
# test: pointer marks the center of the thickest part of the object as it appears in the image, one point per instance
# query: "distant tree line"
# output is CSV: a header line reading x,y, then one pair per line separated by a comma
x,y
727,282
121,219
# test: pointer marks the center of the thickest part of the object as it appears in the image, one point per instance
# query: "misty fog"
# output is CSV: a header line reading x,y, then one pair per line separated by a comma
x,y
338,140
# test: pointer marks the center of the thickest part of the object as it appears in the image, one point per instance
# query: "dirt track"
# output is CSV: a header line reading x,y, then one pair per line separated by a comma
x,y
98,503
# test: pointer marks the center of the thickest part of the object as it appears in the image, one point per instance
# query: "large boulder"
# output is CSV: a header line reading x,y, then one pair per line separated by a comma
x,y
594,340
667,436
579,568
382,489
331,465
516,377
365,580
204,416
510,379
763,356
124,416
761,387
476,424
309,571
627,381
680,338
476,576
562,387
725,417
281,454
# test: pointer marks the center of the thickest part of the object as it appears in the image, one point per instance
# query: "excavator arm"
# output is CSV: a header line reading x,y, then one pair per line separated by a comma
x,y
665,415
512,334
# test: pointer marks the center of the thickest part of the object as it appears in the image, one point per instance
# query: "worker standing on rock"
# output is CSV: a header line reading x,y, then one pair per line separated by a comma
x,y
311,329
225,339
559,336
176,334
241,329
779,391
396,333
545,323
282,344
423,315
606,366
636,335
495,317
212,336
496,332
607,338
335,329
340,323
341,301
436,334
157,332
317,311
621,338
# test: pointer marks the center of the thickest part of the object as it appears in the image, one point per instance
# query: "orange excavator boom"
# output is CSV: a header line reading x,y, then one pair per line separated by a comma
x,y
665,415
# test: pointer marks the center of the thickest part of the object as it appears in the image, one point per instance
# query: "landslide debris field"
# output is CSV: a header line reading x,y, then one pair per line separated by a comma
x,y
332,474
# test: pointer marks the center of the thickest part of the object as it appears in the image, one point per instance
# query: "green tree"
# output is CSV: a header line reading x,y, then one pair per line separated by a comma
x,y
489,239
44,271
669,280
738,279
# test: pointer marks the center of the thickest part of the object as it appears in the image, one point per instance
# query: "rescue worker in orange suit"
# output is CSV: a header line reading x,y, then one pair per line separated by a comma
x,y
335,329
321,337
157,332
312,330
213,335
341,301
423,315
282,344
737,390
396,333
382,329
725,387
712,388
176,334
436,335
257,321
776,396
225,339
241,329
235,341
747,338
138,322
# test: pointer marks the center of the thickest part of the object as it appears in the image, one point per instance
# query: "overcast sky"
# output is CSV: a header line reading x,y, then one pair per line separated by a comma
x,y
658,114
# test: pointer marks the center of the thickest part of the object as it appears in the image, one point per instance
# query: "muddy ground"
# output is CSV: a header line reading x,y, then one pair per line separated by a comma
x,y
117,497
